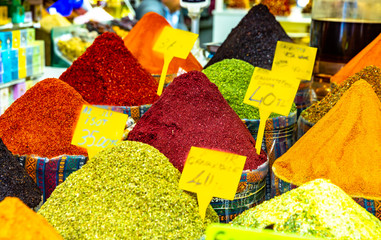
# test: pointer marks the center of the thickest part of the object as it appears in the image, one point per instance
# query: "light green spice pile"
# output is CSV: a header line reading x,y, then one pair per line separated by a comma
x,y
316,111
232,77
317,208
126,192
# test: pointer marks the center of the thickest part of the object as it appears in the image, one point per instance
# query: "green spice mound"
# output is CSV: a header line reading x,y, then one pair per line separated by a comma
x,y
126,192
316,111
232,77
317,208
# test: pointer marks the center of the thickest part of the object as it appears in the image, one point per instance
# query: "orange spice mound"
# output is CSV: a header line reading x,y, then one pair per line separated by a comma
x,y
370,55
18,222
141,39
42,121
344,146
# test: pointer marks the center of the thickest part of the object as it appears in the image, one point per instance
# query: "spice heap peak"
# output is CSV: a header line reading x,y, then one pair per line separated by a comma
x,y
108,74
370,55
253,40
317,208
316,111
344,146
18,222
130,191
42,121
15,181
232,77
192,112
140,42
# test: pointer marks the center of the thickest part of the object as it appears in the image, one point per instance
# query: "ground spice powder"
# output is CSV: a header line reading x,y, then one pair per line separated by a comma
x,y
344,146
253,40
127,192
15,181
108,74
192,112
232,77
140,42
42,121
317,208
316,111
18,222
370,55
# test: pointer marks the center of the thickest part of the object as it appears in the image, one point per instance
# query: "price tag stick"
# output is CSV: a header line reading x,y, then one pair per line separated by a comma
x,y
167,60
264,114
203,203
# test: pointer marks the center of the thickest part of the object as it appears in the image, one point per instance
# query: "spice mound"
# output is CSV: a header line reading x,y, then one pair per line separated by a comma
x,y
192,112
370,55
18,222
317,208
108,74
344,146
253,40
42,121
232,77
127,192
316,111
140,42
15,181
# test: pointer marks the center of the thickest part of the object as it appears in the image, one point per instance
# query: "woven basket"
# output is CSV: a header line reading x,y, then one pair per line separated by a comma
x,y
250,192
49,173
279,136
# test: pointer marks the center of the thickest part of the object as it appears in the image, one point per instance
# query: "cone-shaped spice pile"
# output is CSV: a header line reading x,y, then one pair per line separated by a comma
x,y
344,146
192,112
42,121
15,182
18,222
140,42
253,39
317,208
108,74
130,191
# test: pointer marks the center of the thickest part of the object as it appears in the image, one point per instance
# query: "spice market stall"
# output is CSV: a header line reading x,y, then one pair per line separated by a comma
x,y
131,190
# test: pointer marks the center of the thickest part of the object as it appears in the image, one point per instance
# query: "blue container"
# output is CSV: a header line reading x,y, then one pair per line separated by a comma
x,y
7,65
15,64
6,40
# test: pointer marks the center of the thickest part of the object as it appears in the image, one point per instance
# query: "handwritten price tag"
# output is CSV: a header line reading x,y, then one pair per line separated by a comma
x,y
211,173
98,129
173,43
270,92
296,58
228,232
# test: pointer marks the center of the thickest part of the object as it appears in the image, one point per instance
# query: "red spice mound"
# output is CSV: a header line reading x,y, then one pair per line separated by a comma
x,y
192,112
42,121
108,74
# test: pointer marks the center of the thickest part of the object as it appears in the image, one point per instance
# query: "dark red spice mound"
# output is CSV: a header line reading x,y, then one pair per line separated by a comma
x,y
15,181
253,40
108,74
192,112
42,121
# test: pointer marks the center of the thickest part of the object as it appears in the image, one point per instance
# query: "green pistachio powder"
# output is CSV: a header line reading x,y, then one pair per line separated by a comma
x,y
232,77
126,192
317,208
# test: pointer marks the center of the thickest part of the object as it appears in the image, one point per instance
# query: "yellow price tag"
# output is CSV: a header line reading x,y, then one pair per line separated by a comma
x,y
296,58
98,129
211,173
270,92
228,232
173,43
